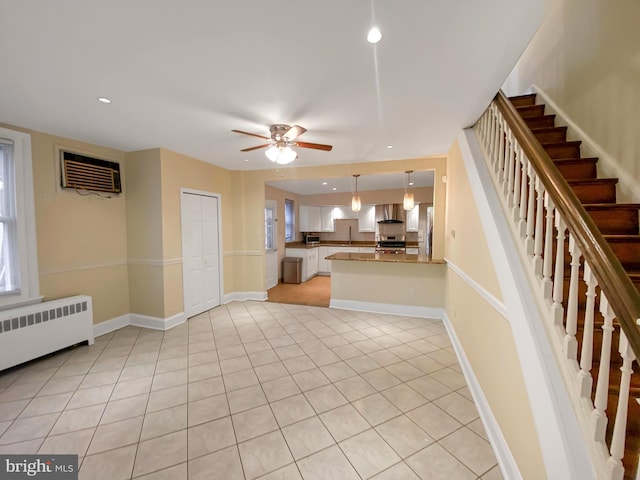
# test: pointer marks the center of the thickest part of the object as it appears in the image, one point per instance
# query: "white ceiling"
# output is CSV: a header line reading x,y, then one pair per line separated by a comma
x,y
183,74
347,184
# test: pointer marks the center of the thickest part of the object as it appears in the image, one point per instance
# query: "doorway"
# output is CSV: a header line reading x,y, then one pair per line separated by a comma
x,y
201,259
271,243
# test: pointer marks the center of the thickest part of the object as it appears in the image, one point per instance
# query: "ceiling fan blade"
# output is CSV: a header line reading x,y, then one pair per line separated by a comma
x,y
317,146
252,134
255,148
294,132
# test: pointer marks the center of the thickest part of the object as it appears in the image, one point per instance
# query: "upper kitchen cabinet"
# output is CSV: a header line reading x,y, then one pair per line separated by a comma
x,y
413,219
367,218
310,218
327,221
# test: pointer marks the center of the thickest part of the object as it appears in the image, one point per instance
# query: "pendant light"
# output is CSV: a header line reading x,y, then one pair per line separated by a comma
x,y
408,202
356,204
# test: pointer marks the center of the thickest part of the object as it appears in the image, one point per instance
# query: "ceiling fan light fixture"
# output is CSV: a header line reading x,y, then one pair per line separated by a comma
x,y
374,35
281,155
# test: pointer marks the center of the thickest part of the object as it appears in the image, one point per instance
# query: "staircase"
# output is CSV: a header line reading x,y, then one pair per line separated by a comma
x,y
619,225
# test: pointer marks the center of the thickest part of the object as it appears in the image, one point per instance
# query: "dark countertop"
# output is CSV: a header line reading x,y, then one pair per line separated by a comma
x,y
384,257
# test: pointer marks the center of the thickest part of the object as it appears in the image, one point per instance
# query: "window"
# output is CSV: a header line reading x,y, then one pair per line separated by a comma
x,y
8,241
18,252
270,231
289,221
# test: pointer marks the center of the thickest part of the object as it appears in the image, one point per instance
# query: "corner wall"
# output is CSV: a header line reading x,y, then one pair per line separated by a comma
x,y
475,309
81,239
585,58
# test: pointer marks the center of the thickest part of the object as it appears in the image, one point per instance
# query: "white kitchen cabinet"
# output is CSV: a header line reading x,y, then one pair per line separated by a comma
x,y
413,251
367,218
310,218
344,212
309,260
327,222
413,219
323,264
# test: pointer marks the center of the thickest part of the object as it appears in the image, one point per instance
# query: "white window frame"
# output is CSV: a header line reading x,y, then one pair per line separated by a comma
x,y
27,248
292,223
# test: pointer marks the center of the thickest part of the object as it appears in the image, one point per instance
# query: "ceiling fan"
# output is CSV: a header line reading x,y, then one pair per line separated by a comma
x,y
283,137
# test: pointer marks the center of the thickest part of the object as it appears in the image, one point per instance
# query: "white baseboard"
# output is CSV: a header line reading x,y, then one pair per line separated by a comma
x,y
507,463
111,325
137,320
244,296
403,310
157,323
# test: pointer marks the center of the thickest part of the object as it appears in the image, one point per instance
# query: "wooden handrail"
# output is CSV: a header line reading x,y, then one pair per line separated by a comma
x,y
612,278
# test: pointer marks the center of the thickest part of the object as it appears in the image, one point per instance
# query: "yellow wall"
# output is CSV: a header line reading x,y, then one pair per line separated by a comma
x,y
82,240
180,171
585,57
485,335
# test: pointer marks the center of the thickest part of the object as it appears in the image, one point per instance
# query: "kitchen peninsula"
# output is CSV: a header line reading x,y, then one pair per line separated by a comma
x,y
404,284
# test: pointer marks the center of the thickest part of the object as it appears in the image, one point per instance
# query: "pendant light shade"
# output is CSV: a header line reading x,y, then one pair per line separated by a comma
x,y
356,204
408,202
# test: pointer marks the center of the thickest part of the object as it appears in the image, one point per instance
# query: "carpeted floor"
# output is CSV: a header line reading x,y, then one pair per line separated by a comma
x,y
315,292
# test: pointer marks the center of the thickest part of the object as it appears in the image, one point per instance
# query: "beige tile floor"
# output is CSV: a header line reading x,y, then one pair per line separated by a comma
x,y
255,390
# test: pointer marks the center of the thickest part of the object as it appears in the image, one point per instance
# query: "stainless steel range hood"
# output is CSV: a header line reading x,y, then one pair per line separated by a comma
x,y
390,213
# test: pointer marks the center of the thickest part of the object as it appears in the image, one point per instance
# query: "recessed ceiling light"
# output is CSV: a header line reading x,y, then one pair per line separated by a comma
x,y
246,159
389,146
374,35
334,188
324,183
104,100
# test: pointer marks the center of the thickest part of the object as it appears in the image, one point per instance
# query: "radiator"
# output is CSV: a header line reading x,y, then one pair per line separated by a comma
x,y
36,330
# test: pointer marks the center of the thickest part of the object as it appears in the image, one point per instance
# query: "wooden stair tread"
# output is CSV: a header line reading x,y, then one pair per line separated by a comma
x,y
596,181
541,120
527,111
576,160
573,143
611,206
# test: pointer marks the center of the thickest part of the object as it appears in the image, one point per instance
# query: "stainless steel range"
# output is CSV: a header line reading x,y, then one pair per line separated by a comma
x,y
391,244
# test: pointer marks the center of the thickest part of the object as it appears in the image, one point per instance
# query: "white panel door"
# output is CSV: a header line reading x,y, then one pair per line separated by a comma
x,y
210,252
271,243
200,253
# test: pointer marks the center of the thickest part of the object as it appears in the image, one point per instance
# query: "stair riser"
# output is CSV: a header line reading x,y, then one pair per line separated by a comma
x,y
585,170
605,193
531,111
541,121
563,151
616,221
523,100
556,135
628,253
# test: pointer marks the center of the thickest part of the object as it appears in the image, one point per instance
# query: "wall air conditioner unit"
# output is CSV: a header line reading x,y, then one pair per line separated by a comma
x,y
80,172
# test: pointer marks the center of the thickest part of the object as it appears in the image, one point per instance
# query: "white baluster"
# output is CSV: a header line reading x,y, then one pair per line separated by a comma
x,y
538,236
494,136
521,214
514,200
599,415
510,165
585,380
527,209
547,284
558,278
500,160
570,343
504,171
616,470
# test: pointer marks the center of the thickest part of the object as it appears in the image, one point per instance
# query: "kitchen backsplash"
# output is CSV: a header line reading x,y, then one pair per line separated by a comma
x,y
342,233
